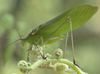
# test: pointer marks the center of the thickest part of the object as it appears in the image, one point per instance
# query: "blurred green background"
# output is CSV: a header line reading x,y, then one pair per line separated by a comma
x,y
28,14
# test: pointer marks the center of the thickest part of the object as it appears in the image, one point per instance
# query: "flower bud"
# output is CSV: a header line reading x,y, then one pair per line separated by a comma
x,y
60,68
58,53
23,66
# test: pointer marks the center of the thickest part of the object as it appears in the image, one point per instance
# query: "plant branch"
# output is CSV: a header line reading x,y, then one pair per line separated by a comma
x,y
65,61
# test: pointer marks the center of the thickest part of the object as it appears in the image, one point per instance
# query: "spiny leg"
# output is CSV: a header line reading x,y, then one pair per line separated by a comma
x,y
73,43
65,45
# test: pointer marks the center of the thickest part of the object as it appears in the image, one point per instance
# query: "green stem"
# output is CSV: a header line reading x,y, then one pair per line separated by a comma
x,y
75,68
65,61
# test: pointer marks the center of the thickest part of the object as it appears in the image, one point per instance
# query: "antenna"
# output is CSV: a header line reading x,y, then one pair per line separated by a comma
x,y
10,44
18,33
14,41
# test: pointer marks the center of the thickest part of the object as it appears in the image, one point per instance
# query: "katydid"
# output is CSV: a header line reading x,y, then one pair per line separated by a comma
x,y
53,30
60,25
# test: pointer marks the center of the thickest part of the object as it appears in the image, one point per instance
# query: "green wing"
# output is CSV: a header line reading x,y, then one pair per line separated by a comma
x,y
79,15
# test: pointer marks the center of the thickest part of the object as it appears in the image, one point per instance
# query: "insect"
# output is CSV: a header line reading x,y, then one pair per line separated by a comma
x,y
54,29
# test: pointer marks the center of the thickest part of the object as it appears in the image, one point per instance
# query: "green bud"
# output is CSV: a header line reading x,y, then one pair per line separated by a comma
x,y
58,53
23,65
60,68
23,70
29,64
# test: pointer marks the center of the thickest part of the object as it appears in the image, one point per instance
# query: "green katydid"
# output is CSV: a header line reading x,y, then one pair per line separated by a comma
x,y
53,30
60,25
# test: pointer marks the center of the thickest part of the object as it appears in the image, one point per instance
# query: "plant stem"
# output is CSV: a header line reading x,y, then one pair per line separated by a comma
x,y
65,61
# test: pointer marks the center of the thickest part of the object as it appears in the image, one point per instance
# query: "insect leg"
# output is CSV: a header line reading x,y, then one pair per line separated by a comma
x,y
43,49
42,45
30,48
73,43
38,49
72,39
65,45
43,57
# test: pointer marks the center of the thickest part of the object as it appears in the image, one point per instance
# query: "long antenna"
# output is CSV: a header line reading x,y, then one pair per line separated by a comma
x,y
72,40
18,33
14,41
10,44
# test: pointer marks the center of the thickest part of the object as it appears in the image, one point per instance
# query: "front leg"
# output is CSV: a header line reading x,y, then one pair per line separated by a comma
x,y
30,48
